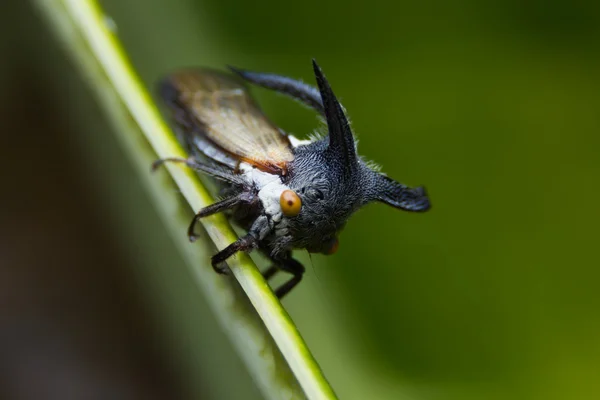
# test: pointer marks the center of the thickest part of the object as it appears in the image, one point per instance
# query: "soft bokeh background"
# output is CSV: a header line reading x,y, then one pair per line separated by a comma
x,y
493,294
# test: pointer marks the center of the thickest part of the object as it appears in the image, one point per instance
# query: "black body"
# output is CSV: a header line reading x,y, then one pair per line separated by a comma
x,y
328,176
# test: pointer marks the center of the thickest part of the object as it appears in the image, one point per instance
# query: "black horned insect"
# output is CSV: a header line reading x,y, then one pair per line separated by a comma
x,y
285,193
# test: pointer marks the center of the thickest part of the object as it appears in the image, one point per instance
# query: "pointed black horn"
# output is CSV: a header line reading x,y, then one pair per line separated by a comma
x,y
397,195
341,140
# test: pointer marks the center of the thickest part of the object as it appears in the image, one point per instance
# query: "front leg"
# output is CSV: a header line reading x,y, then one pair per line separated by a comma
x,y
250,242
246,243
296,269
247,197
287,264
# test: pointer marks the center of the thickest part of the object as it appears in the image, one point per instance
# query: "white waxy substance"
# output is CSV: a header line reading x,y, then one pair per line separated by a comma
x,y
297,142
269,192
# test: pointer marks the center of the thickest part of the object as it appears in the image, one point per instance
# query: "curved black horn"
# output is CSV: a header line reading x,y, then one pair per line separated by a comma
x,y
396,194
295,89
341,140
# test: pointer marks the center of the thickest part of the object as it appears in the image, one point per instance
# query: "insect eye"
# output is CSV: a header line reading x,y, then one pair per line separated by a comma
x,y
290,203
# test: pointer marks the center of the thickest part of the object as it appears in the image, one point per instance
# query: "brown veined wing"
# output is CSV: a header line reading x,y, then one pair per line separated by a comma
x,y
229,117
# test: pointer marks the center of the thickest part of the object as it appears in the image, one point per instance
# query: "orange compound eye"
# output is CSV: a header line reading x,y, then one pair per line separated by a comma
x,y
290,203
334,247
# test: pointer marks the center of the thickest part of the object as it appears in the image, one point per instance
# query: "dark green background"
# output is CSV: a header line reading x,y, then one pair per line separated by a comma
x,y
493,106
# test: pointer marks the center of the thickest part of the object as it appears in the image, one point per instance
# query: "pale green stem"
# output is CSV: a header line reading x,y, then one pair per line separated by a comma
x,y
86,33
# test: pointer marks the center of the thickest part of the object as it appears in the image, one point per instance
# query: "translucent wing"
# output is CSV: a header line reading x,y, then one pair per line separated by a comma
x,y
225,113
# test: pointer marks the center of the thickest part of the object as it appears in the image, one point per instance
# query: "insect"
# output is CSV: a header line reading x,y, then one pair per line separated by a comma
x,y
285,193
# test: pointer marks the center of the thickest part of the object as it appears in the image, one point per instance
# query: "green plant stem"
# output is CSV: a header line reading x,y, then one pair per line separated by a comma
x,y
86,33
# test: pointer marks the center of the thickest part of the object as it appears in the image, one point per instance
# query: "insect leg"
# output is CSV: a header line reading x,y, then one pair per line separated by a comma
x,y
296,269
275,267
156,164
269,272
245,243
213,170
225,204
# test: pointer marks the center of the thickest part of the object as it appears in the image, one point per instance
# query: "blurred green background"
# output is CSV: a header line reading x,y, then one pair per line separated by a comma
x,y
493,106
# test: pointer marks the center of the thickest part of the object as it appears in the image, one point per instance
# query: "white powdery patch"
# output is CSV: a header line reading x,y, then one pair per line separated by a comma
x,y
298,142
269,190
